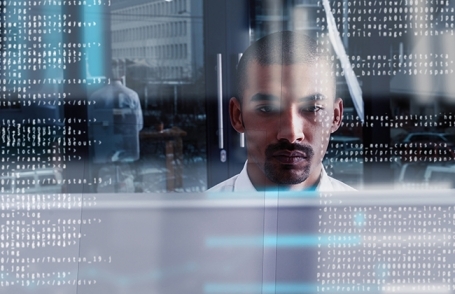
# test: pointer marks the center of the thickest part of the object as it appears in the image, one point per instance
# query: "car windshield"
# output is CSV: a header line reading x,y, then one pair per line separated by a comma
x,y
426,138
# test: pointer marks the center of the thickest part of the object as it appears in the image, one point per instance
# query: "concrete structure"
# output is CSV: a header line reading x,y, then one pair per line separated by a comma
x,y
165,37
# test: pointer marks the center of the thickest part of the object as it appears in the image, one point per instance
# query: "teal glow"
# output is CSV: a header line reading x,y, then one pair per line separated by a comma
x,y
288,288
359,219
94,40
260,288
281,241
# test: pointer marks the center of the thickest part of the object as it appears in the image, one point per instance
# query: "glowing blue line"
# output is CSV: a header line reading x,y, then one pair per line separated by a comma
x,y
94,34
281,241
287,288
260,288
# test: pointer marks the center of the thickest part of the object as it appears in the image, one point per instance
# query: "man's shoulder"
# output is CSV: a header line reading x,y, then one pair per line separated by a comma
x,y
339,185
238,183
225,186
329,184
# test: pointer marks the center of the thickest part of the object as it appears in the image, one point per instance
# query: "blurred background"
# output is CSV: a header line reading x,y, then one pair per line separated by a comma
x,y
131,96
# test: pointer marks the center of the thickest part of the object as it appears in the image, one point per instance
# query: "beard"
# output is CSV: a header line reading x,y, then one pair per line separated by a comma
x,y
283,174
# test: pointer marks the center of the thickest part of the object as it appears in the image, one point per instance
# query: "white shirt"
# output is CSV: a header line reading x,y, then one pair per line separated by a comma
x,y
242,183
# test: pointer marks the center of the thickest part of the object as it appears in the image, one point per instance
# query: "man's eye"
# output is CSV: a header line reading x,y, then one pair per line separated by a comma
x,y
267,109
312,108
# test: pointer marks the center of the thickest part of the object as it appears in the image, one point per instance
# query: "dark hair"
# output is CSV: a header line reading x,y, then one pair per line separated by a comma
x,y
285,47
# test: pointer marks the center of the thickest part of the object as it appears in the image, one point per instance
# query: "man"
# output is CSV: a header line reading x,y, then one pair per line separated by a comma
x,y
287,108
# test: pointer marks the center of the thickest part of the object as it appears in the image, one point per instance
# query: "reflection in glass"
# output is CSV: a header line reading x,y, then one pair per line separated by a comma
x,y
157,52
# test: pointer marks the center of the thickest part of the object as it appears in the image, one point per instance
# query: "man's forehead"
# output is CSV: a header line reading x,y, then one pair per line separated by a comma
x,y
318,70
306,77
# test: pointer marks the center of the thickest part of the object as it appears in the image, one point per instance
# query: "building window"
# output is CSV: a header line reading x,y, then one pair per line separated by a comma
x,y
181,28
181,5
174,7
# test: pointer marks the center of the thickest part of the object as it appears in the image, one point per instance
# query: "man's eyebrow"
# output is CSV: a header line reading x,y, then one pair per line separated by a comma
x,y
313,97
261,97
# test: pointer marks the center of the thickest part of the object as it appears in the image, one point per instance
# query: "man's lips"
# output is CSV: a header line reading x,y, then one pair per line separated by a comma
x,y
290,157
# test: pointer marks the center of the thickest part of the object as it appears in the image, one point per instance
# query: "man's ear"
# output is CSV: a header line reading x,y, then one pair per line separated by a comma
x,y
337,114
235,113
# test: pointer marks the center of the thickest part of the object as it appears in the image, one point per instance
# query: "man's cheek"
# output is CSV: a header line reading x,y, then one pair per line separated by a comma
x,y
257,135
257,141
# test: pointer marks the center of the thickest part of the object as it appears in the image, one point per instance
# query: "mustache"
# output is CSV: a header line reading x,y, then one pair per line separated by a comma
x,y
285,145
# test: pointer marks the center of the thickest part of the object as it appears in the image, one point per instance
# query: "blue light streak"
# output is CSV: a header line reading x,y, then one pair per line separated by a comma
x,y
287,288
281,241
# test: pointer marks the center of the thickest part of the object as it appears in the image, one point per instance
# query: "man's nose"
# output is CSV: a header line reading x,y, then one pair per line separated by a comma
x,y
291,126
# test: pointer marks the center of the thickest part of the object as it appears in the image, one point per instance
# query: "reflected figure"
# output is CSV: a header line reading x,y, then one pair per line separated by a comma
x,y
287,107
116,119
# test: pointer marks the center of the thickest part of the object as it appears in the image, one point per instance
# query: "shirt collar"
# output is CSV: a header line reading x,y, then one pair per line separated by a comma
x,y
243,182
324,183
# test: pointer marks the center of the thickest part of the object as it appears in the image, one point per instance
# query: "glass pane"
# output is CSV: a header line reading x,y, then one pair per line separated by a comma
x,y
104,97
157,52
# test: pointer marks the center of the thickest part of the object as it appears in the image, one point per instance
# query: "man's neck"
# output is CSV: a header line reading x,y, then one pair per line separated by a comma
x,y
262,183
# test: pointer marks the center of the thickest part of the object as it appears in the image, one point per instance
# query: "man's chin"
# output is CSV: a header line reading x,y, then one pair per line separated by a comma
x,y
285,175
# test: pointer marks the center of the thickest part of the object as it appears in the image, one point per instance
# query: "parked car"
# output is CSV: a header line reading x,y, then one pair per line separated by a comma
x,y
418,174
441,176
426,147
429,137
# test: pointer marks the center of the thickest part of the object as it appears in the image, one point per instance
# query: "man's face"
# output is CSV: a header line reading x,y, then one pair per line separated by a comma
x,y
288,113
